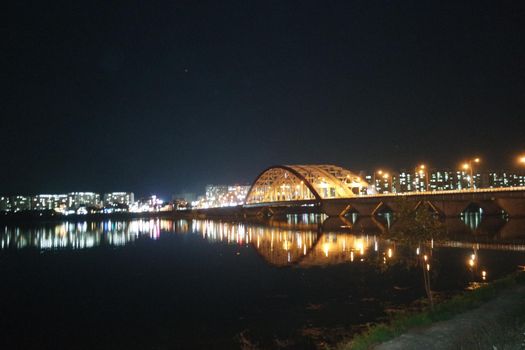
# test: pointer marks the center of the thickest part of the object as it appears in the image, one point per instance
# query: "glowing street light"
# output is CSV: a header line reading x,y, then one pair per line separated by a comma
x,y
521,160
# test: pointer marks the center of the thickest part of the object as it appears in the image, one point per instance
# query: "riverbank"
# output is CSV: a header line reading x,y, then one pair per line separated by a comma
x,y
234,213
27,217
493,315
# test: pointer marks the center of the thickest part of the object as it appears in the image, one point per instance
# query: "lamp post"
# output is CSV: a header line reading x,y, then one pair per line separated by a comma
x,y
470,166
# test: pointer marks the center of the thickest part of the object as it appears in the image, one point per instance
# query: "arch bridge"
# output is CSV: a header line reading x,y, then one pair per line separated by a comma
x,y
335,191
303,184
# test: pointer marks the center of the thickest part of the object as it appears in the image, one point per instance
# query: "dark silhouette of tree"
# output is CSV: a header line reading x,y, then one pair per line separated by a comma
x,y
418,228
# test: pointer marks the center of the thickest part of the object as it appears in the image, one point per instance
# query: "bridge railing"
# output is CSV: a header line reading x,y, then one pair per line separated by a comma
x,y
462,191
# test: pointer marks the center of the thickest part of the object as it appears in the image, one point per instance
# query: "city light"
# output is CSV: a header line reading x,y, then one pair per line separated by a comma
x,y
282,183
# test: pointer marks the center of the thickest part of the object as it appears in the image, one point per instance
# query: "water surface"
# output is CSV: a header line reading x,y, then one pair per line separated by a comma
x,y
295,282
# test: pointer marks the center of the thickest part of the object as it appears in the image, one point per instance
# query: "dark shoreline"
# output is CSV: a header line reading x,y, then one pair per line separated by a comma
x,y
233,213
224,213
36,217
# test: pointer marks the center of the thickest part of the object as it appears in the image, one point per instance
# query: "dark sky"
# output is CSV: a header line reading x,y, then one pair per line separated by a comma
x,y
164,98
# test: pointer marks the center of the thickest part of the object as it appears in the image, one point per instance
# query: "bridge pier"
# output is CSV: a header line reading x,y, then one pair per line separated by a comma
x,y
338,224
366,208
396,206
334,208
368,225
450,208
514,207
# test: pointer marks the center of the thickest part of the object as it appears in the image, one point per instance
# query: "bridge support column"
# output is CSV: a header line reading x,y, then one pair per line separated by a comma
x,y
450,208
368,225
514,207
396,206
336,224
334,208
366,209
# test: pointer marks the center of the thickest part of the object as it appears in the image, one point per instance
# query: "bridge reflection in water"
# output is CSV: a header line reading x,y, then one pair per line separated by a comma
x,y
306,243
297,240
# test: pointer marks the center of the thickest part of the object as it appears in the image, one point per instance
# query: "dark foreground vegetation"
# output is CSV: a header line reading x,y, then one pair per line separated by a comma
x,y
508,329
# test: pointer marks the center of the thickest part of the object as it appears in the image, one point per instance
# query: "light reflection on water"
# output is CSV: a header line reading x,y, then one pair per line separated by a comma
x,y
281,276
296,240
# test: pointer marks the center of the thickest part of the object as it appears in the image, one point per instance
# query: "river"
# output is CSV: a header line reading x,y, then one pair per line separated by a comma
x,y
298,282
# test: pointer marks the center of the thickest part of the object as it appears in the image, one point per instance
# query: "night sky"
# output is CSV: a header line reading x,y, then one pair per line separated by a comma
x,y
165,98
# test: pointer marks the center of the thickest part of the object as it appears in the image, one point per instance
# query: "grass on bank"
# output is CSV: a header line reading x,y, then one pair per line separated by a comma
x,y
446,310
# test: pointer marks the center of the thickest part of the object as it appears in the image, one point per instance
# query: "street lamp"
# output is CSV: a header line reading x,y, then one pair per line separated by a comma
x,y
470,166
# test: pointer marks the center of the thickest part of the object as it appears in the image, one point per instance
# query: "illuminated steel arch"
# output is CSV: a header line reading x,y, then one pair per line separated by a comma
x,y
283,183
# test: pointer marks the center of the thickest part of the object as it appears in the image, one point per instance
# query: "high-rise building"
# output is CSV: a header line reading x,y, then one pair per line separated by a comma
x,y
503,179
420,181
222,196
118,199
83,199
147,204
49,201
20,203
442,180
214,194
404,182
5,203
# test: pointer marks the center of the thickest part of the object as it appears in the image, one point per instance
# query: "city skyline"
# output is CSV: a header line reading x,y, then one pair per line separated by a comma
x,y
262,174
517,167
419,179
164,97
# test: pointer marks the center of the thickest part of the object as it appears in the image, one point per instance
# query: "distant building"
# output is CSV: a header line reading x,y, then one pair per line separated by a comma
x,y
442,180
5,203
503,179
420,181
114,199
180,204
213,195
49,201
20,203
404,182
76,200
147,204
222,196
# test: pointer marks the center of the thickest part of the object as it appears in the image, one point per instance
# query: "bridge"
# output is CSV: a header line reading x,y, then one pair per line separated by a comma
x,y
336,191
